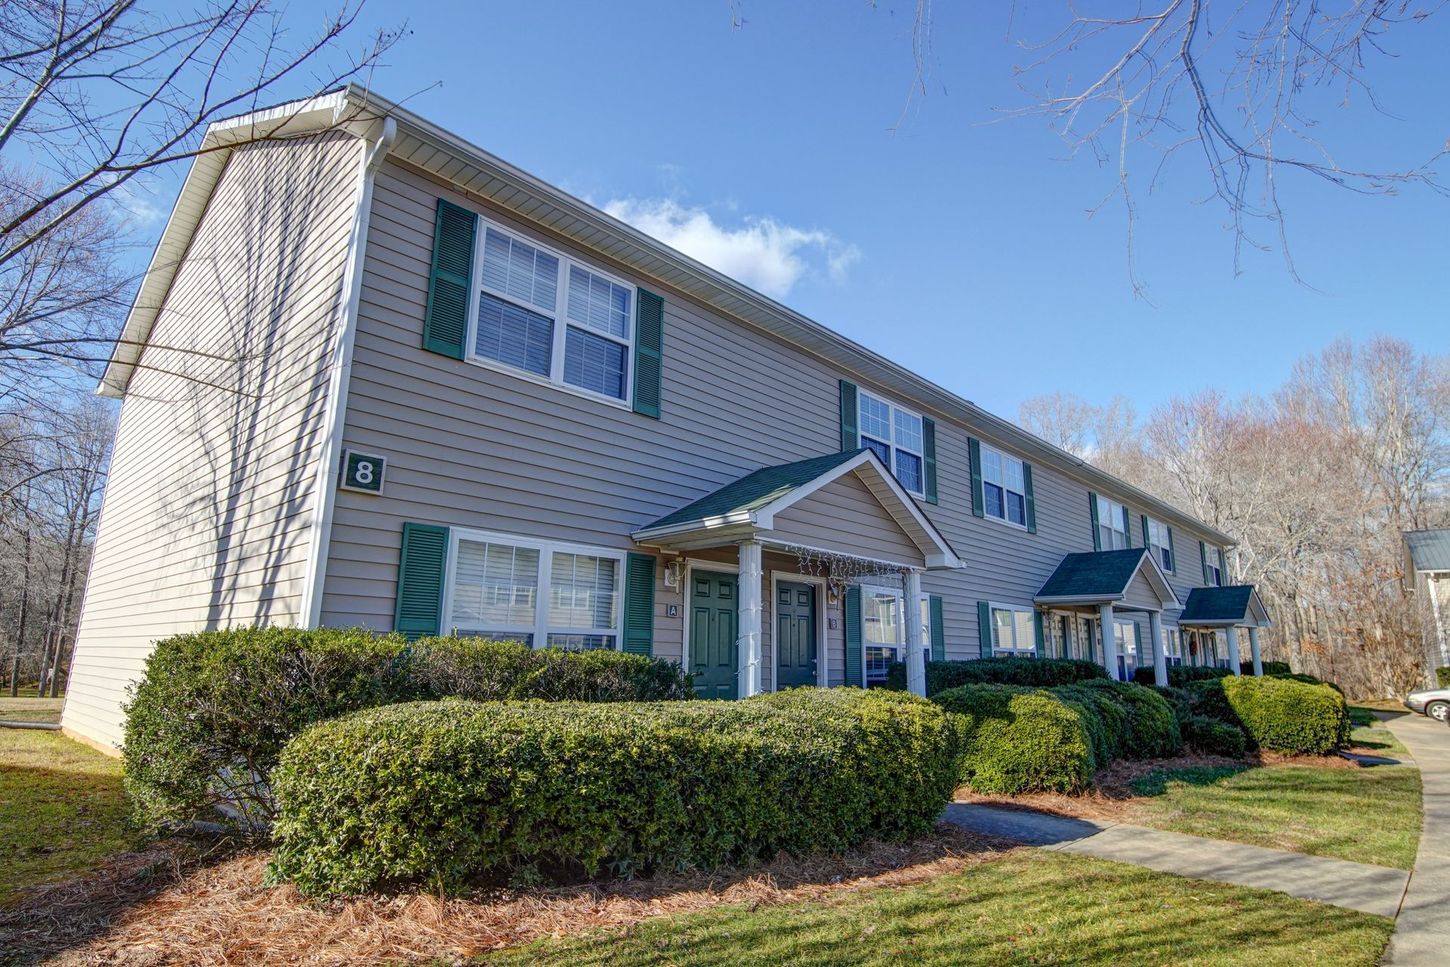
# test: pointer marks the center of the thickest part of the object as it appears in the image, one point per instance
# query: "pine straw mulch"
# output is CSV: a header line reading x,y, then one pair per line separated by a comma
x,y
1112,799
147,910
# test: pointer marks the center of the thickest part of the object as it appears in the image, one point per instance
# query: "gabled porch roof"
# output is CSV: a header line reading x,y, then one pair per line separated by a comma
x,y
1236,604
747,507
1103,577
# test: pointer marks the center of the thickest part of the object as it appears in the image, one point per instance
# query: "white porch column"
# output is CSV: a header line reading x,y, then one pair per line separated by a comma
x,y
1160,658
748,641
1110,640
1254,652
1233,649
915,646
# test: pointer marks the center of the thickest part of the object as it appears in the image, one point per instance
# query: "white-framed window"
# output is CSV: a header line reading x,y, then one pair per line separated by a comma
x,y
1004,487
883,629
1127,642
897,437
1213,570
542,593
1112,525
542,313
1014,632
1160,539
1173,646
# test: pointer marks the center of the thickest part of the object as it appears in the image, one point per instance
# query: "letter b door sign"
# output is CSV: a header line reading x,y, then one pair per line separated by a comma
x,y
363,471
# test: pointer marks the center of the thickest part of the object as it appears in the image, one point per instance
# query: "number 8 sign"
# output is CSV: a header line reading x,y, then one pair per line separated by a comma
x,y
363,471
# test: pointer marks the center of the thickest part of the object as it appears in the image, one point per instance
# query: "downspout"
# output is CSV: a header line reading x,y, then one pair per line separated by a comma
x,y
325,483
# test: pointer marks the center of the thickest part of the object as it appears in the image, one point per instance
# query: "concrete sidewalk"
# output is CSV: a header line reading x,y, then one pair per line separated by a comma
x,y
1422,935
1357,886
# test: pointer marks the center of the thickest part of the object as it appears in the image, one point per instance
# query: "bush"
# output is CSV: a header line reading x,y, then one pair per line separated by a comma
x,y
1181,675
1270,667
1021,740
447,793
1028,672
1287,716
1442,676
1211,737
206,724
1136,722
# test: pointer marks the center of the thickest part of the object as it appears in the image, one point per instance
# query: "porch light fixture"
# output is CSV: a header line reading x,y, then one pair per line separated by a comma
x,y
673,571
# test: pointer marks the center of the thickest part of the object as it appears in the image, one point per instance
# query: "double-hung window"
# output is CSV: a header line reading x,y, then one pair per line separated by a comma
x,y
1213,567
1112,525
543,594
1127,641
544,314
896,436
1160,539
1014,632
883,629
1004,487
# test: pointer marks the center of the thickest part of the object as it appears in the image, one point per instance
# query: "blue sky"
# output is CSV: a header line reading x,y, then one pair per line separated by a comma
x,y
934,229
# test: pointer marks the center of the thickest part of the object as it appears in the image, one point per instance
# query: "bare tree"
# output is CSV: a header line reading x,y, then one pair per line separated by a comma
x,y
1107,435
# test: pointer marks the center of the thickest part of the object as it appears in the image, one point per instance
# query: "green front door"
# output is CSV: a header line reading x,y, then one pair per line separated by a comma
x,y
795,634
713,616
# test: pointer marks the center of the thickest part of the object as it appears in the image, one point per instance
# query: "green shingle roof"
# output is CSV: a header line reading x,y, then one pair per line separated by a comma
x,y
1429,550
1093,574
1230,603
755,490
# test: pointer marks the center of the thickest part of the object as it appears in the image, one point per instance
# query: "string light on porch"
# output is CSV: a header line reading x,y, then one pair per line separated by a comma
x,y
842,570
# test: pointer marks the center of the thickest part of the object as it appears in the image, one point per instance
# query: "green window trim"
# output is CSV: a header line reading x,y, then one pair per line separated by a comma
x,y
1127,526
450,280
979,497
649,350
422,561
984,629
1030,498
1147,537
639,604
938,627
1093,515
928,458
855,639
850,431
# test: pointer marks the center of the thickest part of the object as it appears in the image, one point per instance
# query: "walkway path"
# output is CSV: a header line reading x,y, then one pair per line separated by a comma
x,y
1422,935
1358,886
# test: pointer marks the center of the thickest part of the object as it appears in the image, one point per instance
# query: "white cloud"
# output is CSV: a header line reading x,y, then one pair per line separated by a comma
x,y
761,252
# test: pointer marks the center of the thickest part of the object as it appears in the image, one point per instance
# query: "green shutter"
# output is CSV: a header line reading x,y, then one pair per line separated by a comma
x,y
1222,567
1038,630
855,656
639,604
1127,527
1031,500
984,629
420,580
938,628
446,319
850,435
1093,515
979,501
1138,643
928,445
1203,559
1147,538
649,349
1172,554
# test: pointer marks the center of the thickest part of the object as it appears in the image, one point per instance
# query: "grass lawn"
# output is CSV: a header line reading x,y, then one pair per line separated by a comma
x,y
1367,815
1029,907
61,809
30,709
1370,733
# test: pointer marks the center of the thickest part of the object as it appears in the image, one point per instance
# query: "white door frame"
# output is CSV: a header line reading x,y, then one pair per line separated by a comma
x,y
687,586
790,577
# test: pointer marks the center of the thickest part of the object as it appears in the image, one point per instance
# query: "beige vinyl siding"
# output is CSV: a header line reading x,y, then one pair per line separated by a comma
x,y
207,511
844,516
470,446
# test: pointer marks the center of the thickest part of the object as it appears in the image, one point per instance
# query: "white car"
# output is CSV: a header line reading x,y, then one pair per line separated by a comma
x,y
1434,702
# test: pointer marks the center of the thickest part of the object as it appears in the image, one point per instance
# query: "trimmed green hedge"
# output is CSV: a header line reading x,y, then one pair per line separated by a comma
x,y
1288,716
1210,736
1442,676
443,794
1270,667
205,726
1027,740
1029,672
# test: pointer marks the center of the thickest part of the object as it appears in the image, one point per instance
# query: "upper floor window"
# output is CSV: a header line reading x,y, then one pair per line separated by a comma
x,y
1213,567
1004,488
1014,632
1112,525
542,594
1160,539
896,436
544,314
